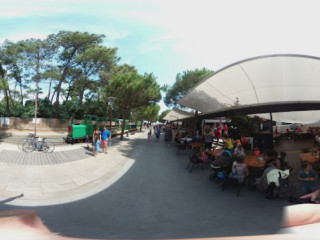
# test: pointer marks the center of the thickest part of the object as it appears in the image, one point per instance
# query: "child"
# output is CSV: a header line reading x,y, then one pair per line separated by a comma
x,y
87,141
149,134
239,170
256,152
203,155
308,177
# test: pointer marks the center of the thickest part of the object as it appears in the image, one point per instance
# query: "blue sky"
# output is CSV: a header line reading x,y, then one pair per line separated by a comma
x,y
168,37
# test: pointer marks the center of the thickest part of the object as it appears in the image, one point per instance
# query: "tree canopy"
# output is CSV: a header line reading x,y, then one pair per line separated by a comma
x,y
72,72
131,91
163,114
183,84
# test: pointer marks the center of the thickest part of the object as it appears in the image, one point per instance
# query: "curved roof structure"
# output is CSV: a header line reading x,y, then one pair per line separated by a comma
x,y
177,114
286,84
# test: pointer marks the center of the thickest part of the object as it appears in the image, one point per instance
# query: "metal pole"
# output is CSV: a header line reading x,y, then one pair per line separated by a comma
x,y
111,99
110,123
271,130
36,109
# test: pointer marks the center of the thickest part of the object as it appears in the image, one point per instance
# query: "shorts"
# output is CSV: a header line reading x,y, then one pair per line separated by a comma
x,y
104,143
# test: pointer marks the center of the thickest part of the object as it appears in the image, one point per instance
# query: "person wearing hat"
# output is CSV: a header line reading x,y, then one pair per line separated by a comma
x,y
239,151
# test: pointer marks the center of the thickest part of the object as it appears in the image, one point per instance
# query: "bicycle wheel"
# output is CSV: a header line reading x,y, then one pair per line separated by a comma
x,y
28,146
21,143
48,147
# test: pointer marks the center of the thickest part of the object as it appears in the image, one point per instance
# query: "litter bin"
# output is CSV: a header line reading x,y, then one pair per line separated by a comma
x,y
127,134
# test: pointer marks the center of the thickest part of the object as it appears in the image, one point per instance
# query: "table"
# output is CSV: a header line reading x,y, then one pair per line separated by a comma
x,y
186,139
256,167
252,161
215,152
309,157
196,144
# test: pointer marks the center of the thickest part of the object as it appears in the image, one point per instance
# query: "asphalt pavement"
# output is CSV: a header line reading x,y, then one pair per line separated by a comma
x,y
141,190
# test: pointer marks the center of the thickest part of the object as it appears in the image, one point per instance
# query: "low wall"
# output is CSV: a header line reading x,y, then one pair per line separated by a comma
x,y
46,124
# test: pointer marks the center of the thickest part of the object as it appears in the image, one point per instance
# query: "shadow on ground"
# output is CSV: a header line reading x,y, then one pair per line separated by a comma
x,y
158,198
4,135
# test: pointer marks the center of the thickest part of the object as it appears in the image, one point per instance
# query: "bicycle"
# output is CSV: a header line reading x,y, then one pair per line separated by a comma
x,y
38,144
24,141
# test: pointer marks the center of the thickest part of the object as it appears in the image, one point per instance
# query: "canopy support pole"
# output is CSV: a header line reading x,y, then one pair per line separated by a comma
x,y
271,123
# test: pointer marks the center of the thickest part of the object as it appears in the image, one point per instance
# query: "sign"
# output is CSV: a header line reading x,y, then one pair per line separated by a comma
x,y
35,120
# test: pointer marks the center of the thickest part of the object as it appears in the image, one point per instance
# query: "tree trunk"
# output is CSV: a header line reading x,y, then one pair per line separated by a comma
x,y
49,93
12,102
64,73
141,125
36,109
36,100
81,97
7,102
53,96
57,99
123,126
5,90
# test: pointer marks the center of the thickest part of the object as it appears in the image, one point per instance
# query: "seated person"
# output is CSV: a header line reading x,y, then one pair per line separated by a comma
x,y
229,144
239,170
256,152
207,137
281,163
244,141
239,151
270,157
177,137
203,155
224,160
317,153
307,177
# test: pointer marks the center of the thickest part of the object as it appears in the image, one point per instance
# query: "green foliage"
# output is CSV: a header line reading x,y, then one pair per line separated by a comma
x,y
132,91
163,114
247,125
70,45
77,69
148,113
183,84
45,108
23,111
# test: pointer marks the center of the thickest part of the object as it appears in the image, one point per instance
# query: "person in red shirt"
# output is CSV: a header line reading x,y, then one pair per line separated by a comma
x,y
225,130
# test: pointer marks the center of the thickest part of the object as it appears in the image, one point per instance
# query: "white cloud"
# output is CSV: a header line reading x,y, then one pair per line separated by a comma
x,y
150,48
200,33
18,9
23,36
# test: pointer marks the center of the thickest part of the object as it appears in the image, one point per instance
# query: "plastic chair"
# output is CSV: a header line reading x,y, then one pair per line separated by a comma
x,y
236,181
194,159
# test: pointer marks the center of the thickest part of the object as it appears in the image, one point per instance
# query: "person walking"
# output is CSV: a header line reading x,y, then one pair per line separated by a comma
x,y
105,135
96,136
157,132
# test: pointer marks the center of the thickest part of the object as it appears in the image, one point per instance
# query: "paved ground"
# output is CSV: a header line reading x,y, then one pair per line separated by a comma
x,y
140,189
70,173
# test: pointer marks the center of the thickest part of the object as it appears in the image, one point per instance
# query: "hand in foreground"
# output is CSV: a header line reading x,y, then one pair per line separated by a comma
x,y
313,196
302,221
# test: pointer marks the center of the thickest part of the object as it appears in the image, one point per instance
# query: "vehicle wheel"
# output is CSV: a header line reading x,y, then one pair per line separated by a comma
x,y
48,147
28,147
21,143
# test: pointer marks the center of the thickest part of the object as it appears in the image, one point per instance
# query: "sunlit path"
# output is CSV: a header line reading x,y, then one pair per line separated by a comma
x,y
158,198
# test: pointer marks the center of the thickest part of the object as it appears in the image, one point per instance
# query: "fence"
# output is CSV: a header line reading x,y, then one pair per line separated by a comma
x,y
46,124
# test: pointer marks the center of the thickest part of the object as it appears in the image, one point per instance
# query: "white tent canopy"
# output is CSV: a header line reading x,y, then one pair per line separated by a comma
x,y
262,81
177,114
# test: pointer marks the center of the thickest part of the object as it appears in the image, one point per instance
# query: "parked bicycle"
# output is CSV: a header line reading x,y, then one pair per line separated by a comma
x,y
39,144
24,141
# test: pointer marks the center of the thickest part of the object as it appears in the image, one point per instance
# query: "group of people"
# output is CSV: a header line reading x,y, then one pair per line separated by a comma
x,y
214,132
99,138
232,156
